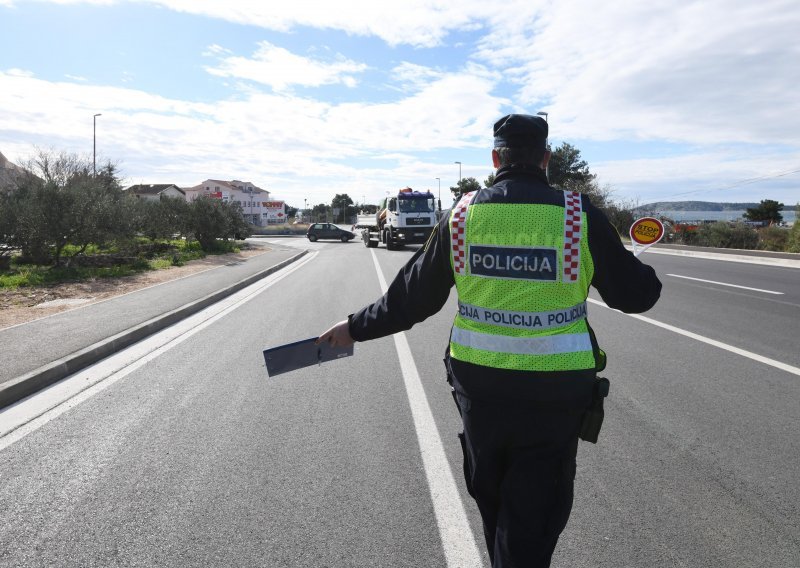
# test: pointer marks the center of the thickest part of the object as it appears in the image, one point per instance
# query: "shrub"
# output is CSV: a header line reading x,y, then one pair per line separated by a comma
x,y
793,240
723,234
213,219
162,219
773,238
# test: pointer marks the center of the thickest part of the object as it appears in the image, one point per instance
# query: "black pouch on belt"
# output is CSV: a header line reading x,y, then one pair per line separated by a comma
x,y
593,417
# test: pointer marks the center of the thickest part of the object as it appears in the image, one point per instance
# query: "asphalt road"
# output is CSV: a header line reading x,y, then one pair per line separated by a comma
x,y
29,346
193,456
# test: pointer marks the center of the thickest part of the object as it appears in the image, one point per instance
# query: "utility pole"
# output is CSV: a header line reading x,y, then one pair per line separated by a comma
x,y
94,143
459,177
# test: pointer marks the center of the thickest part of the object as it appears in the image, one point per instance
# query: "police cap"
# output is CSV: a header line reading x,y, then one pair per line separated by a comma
x,y
518,130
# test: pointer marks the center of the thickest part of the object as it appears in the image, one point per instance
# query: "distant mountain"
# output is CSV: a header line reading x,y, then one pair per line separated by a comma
x,y
695,206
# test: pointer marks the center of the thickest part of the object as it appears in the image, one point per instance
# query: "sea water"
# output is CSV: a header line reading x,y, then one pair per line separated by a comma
x,y
789,215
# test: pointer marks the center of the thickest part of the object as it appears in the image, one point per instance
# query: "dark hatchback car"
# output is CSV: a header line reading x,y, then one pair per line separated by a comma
x,y
328,231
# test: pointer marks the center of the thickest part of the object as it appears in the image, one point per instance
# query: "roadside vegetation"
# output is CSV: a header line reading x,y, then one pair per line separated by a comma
x,y
62,221
761,229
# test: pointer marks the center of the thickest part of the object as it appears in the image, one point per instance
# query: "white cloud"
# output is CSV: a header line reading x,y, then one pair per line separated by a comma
x,y
279,68
423,23
76,78
216,50
708,72
301,145
712,76
13,72
410,76
721,175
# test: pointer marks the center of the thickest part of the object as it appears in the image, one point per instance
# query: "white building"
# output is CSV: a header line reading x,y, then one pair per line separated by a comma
x,y
154,192
252,199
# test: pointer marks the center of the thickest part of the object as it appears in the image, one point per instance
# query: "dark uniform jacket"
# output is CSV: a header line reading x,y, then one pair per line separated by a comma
x,y
423,286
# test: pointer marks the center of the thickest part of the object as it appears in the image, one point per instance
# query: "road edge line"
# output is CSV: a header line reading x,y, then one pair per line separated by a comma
x,y
25,385
707,340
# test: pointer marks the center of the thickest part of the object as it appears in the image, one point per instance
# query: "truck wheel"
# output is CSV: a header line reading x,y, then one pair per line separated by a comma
x,y
388,239
371,244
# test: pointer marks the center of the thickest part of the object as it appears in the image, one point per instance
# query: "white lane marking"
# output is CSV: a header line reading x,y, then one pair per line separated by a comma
x,y
726,284
742,258
30,414
460,550
709,341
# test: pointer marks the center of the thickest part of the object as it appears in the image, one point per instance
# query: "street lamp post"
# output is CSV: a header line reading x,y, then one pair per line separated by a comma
x,y
459,177
440,192
546,145
94,143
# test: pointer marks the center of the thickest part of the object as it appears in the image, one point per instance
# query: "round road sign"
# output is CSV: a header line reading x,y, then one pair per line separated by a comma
x,y
647,231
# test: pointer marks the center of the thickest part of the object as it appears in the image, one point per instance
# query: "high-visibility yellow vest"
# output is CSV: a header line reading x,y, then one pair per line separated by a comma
x,y
522,272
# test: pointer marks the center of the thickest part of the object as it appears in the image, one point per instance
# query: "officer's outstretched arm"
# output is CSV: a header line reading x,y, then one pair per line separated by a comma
x,y
337,336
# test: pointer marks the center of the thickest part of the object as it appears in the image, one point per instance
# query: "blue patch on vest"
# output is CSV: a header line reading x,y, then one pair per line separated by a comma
x,y
513,262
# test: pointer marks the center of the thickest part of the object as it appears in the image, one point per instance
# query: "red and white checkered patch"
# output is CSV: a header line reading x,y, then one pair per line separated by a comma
x,y
458,225
572,236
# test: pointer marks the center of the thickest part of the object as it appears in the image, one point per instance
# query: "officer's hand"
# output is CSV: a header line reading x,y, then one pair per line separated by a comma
x,y
337,336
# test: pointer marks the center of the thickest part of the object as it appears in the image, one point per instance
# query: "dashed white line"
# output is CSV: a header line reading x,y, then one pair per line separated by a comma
x,y
725,284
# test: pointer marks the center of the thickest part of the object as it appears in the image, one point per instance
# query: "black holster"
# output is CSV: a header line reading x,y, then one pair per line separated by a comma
x,y
449,376
593,417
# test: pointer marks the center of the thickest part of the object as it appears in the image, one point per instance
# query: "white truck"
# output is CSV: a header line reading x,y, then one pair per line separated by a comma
x,y
404,217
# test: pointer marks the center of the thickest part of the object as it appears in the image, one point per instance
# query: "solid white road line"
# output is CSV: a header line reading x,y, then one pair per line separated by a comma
x,y
709,341
30,414
741,258
726,284
460,550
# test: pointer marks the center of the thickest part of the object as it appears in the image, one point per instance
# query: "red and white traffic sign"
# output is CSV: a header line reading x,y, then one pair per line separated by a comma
x,y
645,232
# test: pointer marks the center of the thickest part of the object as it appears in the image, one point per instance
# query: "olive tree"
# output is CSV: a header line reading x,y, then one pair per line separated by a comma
x,y
60,201
212,219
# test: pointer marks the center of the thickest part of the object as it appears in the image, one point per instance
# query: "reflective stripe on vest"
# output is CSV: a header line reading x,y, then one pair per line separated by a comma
x,y
523,320
572,236
535,345
457,228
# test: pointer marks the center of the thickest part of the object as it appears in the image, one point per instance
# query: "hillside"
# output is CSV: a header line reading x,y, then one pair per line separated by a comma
x,y
8,172
695,206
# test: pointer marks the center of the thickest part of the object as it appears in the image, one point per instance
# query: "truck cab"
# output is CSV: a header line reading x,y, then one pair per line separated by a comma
x,y
405,217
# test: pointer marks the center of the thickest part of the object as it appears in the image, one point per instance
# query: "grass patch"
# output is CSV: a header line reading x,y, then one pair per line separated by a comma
x,y
150,255
30,276
159,263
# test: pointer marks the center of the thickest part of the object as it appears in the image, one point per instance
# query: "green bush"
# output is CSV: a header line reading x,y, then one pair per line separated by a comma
x,y
793,240
773,238
723,234
162,219
213,219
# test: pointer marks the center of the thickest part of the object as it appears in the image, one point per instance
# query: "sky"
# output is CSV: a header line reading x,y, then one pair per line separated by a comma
x,y
667,100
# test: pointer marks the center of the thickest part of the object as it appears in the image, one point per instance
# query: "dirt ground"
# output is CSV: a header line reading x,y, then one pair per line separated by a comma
x,y
26,304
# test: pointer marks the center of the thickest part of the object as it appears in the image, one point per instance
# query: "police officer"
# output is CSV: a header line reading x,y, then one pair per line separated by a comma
x,y
522,358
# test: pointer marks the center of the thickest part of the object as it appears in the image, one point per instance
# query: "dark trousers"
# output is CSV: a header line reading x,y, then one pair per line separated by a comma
x,y
520,469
